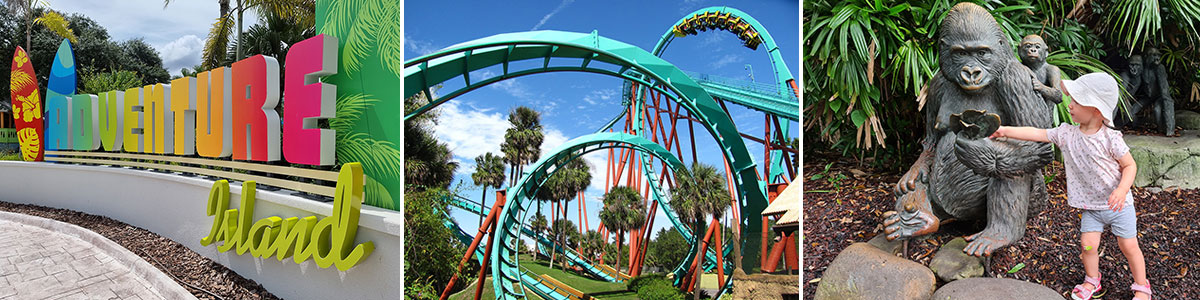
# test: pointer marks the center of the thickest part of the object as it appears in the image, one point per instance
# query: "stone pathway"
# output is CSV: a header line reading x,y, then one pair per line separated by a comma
x,y
36,263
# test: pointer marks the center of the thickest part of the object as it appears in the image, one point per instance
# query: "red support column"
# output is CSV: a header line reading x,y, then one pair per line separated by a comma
x,y
483,230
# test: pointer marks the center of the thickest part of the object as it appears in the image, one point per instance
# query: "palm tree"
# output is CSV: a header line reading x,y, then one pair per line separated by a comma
x,y
539,225
49,18
622,211
566,182
489,171
698,193
561,230
592,243
523,141
301,12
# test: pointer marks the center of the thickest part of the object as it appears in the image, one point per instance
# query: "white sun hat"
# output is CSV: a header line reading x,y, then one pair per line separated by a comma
x,y
1097,90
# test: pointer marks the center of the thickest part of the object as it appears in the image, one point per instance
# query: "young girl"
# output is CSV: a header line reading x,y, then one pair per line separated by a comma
x,y
1100,171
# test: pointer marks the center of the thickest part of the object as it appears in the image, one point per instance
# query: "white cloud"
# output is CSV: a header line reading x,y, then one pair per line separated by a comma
x,y
420,46
469,132
183,52
552,13
595,96
725,60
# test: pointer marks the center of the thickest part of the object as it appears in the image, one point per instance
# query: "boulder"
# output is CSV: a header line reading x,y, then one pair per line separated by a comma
x,y
1166,161
880,241
950,263
1188,120
863,271
994,288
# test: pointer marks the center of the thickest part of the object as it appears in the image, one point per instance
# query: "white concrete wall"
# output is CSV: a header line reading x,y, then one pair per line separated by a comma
x,y
174,206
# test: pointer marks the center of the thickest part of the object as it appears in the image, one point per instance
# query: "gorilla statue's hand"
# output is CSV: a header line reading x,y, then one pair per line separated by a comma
x,y
912,217
916,176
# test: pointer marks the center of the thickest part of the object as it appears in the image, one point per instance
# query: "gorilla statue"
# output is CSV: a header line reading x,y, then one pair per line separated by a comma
x,y
961,173
1146,81
1047,78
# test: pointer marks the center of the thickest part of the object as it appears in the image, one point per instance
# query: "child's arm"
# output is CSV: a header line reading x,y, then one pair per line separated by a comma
x,y
1022,133
1116,200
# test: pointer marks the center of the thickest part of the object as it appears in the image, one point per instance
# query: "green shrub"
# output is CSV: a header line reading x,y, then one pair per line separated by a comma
x,y
660,290
635,284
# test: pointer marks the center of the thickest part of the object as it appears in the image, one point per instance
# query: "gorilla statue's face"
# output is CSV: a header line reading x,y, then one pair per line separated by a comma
x,y
969,62
1135,65
1033,50
1153,56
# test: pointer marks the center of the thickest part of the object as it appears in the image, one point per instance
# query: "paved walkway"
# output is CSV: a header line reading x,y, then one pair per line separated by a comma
x,y
36,263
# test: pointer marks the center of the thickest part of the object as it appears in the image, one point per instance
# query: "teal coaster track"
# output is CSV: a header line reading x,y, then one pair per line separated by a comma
x,y
599,55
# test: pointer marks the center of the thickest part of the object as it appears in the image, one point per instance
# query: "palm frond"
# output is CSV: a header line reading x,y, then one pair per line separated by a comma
x,y
391,47
19,80
349,110
339,17
217,41
378,195
362,37
57,24
377,157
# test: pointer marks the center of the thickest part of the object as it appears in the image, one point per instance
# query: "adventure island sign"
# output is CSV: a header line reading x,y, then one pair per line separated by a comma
x,y
229,113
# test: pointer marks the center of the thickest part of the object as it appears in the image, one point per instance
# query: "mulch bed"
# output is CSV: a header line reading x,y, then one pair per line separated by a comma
x,y
171,257
840,212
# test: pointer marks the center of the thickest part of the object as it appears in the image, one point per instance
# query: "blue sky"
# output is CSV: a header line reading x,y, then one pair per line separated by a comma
x,y
575,104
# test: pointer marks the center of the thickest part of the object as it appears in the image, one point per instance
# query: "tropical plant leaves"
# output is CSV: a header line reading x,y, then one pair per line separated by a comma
x,y
19,80
363,37
350,109
57,24
391,47
214,45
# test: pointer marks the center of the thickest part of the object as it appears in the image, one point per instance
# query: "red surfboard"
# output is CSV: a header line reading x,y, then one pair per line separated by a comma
x,y
26,107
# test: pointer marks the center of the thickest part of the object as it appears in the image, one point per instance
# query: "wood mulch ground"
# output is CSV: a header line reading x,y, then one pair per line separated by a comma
x,y
193,271
845,204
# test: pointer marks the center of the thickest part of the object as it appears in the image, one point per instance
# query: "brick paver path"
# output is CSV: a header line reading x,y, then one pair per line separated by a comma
x,y
36,263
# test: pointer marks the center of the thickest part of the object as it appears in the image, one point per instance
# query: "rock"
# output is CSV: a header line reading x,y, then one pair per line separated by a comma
x,y
1188,120
862,271
994,288
880,241
950,263
1166,161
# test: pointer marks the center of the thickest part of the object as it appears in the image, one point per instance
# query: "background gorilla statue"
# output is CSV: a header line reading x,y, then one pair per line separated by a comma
x,y
1033,52
968,176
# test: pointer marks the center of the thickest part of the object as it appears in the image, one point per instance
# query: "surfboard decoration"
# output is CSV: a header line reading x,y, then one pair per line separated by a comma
x,y
59,89
26,106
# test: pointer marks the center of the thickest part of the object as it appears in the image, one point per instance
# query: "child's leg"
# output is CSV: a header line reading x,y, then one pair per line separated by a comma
x,y
1124,226
1091,255
1137,263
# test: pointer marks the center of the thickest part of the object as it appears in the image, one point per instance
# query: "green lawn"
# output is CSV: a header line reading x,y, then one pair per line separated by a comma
x,y
596,288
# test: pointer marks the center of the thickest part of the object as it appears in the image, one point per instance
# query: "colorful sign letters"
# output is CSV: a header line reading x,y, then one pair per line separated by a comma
x,y
329,241
221,112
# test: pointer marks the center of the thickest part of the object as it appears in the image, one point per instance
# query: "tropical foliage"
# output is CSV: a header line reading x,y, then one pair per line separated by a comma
x,y
866,62
433,243
522,141
428,163
109,81
699,193
623,211
667,249
489,172
97,52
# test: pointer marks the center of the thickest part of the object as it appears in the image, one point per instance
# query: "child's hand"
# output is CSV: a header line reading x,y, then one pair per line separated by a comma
x,y
1116,200
1000,132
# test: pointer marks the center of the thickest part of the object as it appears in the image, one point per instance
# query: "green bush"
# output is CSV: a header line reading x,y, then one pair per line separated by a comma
x,y
660,290
635,284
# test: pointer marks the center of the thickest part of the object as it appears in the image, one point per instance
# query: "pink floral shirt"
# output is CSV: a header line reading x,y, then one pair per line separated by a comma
x,y
1093,170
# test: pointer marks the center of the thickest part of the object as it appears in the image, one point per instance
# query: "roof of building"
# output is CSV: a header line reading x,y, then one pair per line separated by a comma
x,y
788,204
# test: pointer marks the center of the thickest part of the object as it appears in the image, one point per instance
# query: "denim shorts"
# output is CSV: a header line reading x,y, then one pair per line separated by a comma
x,y
1124,223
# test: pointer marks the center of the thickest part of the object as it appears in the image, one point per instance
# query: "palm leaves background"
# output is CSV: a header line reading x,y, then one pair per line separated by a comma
x,y
368,102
